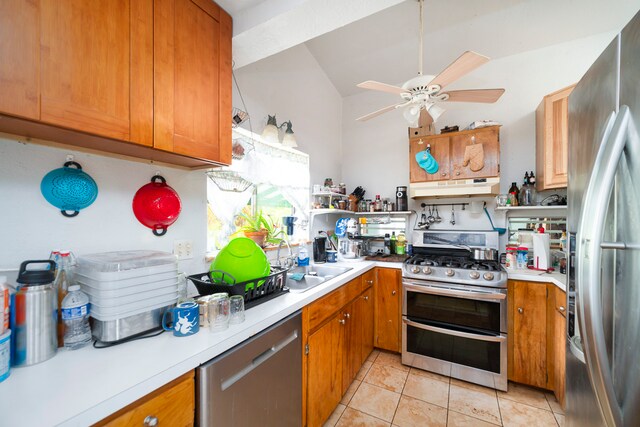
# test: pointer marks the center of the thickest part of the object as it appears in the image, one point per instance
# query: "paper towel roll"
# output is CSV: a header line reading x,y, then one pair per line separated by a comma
x,y
541,251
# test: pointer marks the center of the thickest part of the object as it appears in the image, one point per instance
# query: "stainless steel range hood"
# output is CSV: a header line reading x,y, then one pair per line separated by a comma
x,y
460,187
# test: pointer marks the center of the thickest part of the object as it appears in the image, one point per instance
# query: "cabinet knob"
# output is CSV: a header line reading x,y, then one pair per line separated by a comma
x,y
370,282
366,297
342,321
561,309
444,174
150,421
393,292
457,173
520,310
347,315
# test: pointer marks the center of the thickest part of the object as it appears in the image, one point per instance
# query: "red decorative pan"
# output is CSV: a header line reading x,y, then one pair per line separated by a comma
x,y
156,205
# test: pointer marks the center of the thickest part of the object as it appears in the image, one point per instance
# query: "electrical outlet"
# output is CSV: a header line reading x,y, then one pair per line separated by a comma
x,y
183,249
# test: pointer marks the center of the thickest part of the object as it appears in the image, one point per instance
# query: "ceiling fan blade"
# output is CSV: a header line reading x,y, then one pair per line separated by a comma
x,y
377,113
466,63
382,87
487,96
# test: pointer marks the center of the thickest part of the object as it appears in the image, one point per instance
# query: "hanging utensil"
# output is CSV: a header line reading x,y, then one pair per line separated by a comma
x,y
156,205
438,218
453,216
431,218
499,230
69,189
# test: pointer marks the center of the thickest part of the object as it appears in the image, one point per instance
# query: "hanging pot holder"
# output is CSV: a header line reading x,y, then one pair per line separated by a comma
x,y
426,161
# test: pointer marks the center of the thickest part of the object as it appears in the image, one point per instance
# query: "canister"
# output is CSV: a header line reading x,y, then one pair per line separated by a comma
x,y
402,202
36,314
5,355
511,260
522,258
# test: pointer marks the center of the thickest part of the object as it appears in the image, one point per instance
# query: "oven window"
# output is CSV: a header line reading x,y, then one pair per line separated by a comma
x,y
470,314
483,355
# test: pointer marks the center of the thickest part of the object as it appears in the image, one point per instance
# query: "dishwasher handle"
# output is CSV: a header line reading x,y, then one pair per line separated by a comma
x,y
258,360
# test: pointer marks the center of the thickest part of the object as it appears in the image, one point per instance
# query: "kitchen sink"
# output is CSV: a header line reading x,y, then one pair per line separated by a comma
x,y
313,276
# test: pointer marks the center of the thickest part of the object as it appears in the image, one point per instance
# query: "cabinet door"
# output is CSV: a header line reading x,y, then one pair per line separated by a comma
x,y
171,405
439,151
20,63
527,303
552,138
96,67
462,153
560,342
367,315
324,370
192,79
352,317
387,309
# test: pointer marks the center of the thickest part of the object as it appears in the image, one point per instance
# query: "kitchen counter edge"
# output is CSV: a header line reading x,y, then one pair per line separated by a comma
x,y
558,279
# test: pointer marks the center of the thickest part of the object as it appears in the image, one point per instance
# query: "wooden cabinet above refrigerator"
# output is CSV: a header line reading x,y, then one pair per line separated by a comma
x,y
468,163
119,77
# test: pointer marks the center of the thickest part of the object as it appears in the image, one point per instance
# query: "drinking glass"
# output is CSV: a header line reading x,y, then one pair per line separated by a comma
x,y
218,312
236,303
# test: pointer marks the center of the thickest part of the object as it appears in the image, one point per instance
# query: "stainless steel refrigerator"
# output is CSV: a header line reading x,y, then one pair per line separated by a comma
x,y
603,328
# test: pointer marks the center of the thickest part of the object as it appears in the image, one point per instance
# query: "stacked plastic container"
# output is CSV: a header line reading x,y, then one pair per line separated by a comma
x,y
128,285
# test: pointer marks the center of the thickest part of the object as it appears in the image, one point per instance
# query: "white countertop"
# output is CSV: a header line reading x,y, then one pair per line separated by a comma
x,y
81,387
558,279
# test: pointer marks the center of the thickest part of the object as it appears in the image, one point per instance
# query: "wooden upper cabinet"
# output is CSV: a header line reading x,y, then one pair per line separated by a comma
x,y
439,150
552,138
192,84
96,67
20,58
460,155
467,148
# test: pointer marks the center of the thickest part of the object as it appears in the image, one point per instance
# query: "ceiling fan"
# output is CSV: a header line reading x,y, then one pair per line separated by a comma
x,y
423,92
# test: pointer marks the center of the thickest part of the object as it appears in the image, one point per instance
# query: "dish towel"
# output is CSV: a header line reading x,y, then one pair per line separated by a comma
x,y
426,161
474,157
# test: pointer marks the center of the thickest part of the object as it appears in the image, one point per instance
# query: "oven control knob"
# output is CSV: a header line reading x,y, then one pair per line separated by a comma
x,y
426,270
488,276
474,275
449,272
415,269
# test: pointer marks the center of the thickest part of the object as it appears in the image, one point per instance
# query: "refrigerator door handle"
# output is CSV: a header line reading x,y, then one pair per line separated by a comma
x,y
590,245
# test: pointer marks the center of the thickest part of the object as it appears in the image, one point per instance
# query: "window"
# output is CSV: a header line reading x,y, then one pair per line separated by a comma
x,y
263,177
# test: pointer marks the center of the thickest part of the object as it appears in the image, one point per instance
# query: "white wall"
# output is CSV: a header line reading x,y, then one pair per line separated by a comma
x,y
376,152
30,227
292,86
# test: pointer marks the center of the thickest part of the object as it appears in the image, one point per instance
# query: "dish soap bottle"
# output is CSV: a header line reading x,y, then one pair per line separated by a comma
x,y
303,256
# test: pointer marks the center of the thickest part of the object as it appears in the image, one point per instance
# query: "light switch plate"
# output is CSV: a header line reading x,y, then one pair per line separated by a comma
x,y
183,249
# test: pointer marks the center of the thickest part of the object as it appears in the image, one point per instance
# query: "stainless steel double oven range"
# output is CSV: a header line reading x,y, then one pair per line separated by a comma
x,y
454,313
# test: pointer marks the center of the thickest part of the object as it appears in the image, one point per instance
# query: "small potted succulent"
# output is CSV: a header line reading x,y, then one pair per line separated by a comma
x,y
261,229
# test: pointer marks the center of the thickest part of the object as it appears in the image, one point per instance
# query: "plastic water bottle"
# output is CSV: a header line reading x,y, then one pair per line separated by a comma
x,y
75,315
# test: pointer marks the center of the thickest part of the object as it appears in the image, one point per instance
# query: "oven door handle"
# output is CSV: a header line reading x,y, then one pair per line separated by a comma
x,y
498,338
426,289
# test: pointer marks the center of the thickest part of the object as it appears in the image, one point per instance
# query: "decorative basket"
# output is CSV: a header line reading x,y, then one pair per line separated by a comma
x,y
260,290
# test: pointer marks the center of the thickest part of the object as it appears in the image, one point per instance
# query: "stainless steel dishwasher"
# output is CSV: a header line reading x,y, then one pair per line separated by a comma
x,y
256,383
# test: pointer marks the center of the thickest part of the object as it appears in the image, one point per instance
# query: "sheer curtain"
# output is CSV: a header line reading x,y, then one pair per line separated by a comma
x,y
263,163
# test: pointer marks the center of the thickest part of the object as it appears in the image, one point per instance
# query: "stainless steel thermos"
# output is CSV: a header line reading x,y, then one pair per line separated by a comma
x,y
402,202
35,315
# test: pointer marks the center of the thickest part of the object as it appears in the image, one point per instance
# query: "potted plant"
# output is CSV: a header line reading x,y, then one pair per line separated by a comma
x,y
261,229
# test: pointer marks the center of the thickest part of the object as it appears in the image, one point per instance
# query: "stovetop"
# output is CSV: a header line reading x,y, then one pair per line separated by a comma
x,y
455,268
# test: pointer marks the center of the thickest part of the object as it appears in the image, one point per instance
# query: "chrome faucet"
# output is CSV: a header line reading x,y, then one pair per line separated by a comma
x,y
288,262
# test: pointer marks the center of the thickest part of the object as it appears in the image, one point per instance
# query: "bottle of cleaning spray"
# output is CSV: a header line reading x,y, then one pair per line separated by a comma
x,y
303,256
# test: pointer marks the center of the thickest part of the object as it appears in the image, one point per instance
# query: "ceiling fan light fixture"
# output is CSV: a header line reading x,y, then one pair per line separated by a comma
x,y
412,115
289,139
270,132
435,111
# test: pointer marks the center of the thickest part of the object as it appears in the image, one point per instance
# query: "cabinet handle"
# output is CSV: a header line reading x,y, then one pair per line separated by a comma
x,y
520,310
457,173
366,297
150,421
347,315
561,309
393,292
342,321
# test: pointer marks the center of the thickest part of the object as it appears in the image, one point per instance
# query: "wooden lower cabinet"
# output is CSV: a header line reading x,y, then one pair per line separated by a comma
x,y
388,306
537,335
367,315
170,405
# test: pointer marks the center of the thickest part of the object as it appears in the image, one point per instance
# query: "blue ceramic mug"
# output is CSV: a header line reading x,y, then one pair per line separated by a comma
x,y
186,319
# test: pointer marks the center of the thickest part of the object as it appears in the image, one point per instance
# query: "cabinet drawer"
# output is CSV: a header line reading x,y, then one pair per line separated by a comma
x,y
368,279
171,405
330,304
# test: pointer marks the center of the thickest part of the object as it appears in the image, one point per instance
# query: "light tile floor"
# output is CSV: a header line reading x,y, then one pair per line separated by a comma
x,y
387,393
